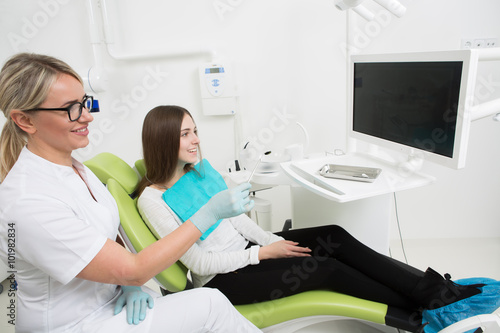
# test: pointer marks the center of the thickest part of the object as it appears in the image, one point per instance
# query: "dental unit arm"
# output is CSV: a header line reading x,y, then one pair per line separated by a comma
x,y
490,108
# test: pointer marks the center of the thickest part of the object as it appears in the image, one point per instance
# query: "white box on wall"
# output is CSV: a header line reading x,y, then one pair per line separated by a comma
x,y
217,89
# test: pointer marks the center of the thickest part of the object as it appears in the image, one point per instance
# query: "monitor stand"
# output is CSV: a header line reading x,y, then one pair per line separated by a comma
x,y
413,164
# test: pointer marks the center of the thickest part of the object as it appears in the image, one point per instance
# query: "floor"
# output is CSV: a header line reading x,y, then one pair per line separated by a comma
x,y
460,257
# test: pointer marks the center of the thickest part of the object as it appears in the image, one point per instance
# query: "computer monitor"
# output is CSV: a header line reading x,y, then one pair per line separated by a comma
x,y
415,103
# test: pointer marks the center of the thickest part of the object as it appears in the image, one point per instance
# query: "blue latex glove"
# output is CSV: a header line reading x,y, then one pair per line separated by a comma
x,y
227,203
136,300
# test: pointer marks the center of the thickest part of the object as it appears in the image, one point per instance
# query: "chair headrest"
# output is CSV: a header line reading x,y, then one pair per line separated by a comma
x,y
106,165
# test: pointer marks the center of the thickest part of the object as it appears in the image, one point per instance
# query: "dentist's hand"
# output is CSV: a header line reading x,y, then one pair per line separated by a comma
x,y
135,300
227,203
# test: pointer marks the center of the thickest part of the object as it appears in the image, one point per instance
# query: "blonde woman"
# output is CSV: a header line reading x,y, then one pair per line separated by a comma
x,y
60,224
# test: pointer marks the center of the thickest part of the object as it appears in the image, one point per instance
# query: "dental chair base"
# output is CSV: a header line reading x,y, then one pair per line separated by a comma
x,y
330,324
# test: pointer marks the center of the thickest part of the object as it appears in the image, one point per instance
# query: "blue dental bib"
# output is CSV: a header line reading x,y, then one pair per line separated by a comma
x,y
193,190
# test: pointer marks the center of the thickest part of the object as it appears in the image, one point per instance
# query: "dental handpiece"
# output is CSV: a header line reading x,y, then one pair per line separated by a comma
x,y
257,164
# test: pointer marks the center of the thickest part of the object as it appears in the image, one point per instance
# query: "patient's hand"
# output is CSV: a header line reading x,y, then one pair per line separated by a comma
x,y
283,249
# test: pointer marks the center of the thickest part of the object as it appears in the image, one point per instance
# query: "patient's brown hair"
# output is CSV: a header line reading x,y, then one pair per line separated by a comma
x,y
161,133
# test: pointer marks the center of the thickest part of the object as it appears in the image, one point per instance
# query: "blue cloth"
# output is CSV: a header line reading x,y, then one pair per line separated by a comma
x,y
193,191
483,303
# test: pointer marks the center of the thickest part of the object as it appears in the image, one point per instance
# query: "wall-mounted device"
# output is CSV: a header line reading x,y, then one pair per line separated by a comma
x,y
217,90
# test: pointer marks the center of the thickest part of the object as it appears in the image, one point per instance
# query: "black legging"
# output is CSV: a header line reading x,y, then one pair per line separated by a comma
x,y
339,262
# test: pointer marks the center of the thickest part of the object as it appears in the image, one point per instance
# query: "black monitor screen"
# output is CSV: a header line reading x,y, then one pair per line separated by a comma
x,y
410,103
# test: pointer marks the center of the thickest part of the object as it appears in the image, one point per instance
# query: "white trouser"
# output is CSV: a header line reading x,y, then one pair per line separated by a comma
x,y
192,311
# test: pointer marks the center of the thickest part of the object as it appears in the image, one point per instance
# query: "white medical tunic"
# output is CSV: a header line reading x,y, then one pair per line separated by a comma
x,y
50,219
59,228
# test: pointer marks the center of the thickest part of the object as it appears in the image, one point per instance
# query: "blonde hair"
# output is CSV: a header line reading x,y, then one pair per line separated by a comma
x,y
25,81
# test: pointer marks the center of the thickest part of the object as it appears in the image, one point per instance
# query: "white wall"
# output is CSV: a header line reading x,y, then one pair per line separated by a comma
x,y
289,63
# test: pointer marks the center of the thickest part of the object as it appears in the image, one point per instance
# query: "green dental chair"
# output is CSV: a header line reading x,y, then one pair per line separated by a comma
x,y
300,309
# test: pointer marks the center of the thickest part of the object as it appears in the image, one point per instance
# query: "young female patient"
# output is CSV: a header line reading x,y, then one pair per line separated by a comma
x,y
249,264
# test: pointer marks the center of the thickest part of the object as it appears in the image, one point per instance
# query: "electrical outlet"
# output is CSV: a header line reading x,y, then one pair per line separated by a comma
x,y
467,43
478,43
491,42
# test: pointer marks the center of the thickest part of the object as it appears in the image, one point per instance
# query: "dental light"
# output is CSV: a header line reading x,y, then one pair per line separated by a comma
x,y
394,6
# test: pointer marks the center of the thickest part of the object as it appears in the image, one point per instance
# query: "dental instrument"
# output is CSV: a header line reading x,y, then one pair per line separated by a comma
x,y
257,164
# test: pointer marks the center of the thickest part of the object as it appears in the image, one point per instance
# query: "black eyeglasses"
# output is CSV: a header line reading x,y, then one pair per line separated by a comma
x,y
74,110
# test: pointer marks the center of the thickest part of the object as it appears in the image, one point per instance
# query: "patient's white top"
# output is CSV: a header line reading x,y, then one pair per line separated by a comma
x,y
223,251
59,228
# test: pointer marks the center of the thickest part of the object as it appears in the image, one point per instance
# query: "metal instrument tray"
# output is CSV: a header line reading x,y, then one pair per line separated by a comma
x,y
348,172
